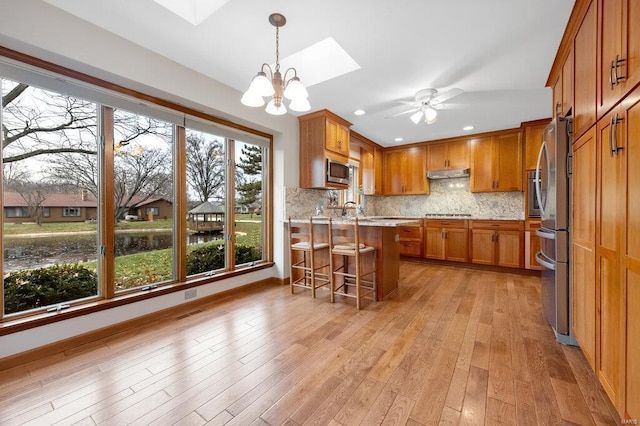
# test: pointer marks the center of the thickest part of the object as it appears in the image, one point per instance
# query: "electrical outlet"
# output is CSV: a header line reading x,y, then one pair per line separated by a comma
x,y
190,294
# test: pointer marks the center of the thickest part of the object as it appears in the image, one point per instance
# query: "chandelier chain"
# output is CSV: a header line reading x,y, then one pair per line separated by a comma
x,y
277,48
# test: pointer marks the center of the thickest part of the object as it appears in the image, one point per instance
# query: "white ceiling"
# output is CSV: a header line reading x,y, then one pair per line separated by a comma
x,y
498,51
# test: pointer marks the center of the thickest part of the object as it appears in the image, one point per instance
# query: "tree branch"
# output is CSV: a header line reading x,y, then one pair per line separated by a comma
x,y
47,151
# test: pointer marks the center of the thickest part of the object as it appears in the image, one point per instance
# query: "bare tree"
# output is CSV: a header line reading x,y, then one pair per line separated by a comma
x,y
34,194
205,167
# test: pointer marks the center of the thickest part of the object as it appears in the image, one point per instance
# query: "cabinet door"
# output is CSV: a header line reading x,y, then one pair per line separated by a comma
x,y
394,172
610,362
482,179
584,95
583,241
367,172
456,243
377,167
557,96
510,244
610,20
631,253
631,38
509,175
434,243
458,155
437,156
415,178
482,246
567,83
337,138
532,142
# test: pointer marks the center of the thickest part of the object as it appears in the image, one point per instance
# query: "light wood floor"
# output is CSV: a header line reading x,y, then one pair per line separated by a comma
x,y
454,345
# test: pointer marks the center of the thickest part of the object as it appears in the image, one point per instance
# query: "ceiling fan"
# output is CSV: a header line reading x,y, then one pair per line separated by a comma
x,y
426,102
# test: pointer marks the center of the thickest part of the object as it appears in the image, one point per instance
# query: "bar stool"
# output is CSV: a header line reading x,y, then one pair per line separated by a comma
x,y
359,274
305,272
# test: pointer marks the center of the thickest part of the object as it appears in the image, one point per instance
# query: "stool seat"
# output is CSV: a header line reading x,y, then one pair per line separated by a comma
x,y
305,245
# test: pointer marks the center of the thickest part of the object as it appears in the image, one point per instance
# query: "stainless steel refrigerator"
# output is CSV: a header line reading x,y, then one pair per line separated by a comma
x,y
553,187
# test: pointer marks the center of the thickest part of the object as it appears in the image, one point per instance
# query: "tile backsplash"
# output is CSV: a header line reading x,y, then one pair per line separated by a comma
x,y
447,196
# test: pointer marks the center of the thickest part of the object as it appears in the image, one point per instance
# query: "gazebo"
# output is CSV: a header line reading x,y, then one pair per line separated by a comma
x,y
207,217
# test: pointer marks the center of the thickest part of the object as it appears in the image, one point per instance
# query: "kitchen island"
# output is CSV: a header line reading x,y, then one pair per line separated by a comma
x,y
381,233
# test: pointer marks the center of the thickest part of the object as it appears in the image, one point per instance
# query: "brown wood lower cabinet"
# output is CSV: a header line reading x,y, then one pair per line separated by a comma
x,y
446,239
499,242
410,240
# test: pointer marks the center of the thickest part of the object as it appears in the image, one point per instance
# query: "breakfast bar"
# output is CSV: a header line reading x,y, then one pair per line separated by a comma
x,y
381,233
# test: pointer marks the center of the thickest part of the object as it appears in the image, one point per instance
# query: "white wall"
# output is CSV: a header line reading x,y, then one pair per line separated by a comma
x,y
41,30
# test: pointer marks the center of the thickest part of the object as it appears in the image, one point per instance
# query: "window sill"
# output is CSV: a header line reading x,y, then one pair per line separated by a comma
x,y
14,325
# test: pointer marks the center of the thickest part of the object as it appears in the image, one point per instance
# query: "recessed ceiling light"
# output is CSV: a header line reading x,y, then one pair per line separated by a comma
x,y
398,139
467,128
359,112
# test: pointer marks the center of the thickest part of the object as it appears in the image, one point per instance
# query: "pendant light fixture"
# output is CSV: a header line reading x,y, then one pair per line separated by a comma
x,y
276,85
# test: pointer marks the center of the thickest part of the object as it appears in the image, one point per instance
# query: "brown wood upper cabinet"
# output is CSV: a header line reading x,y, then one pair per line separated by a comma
x,y
405,171
584,91
619,54
370,170
322,135
532,142
496,163
337,137
563,88
448,155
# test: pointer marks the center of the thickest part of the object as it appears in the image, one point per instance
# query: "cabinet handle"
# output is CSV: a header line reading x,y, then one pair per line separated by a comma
x,y
616,78
558,108
616,148
493,237
493,183
497,237
442,234
611,77
611,137
445,234
497,184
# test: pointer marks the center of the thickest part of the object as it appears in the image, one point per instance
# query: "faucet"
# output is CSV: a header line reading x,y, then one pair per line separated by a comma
x,y
344,207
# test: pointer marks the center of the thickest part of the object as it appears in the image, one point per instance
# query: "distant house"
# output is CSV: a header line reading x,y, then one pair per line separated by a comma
x,y
59,207
152,208
56,207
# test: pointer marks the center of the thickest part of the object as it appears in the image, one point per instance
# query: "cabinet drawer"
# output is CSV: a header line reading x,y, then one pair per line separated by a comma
x,y
446,223
411,248
503,225
410,232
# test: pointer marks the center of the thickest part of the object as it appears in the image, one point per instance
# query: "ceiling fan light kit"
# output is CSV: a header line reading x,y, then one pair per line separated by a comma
x,y
426,103
276,85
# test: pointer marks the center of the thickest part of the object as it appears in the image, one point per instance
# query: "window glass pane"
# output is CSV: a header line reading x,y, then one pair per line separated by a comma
x,y
143,188
206,196
50,164
248,202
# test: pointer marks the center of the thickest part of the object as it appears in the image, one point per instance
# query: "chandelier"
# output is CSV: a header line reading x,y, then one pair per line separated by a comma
x,y
276,85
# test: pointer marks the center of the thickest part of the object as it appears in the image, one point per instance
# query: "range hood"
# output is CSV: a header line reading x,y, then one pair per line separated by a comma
x,y
448,174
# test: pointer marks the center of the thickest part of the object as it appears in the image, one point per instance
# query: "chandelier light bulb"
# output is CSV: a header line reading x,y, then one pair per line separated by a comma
x,y
275,108
300,105
252,100
295,90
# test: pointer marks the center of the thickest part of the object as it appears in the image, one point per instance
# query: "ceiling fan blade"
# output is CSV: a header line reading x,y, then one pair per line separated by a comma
x,y
411,102
403,113
446,96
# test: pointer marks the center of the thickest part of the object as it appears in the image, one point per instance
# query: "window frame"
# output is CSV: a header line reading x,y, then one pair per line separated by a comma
x,y
57,76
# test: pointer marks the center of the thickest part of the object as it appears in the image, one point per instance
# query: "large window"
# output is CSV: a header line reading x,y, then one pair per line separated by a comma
x,y
49,156
105,194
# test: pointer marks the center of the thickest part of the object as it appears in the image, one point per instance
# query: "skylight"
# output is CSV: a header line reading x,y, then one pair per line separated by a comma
x,y
193,11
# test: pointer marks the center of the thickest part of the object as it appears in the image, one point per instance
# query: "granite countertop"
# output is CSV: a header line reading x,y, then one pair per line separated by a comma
x,y
384,221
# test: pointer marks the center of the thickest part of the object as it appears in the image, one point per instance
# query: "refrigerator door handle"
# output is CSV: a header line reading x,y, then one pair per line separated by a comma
x,y
544,260
542,233
538,182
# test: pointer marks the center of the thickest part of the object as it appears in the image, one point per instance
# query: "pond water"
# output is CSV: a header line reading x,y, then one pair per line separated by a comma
x,y
20,253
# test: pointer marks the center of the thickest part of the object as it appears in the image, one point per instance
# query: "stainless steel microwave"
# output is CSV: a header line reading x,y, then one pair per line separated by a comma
x,y
337,172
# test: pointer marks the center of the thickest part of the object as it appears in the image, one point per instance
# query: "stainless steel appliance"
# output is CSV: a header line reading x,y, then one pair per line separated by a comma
x,y
337,172
552,189
532,199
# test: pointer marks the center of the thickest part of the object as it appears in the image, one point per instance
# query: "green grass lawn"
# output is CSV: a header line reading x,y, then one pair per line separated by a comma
x,y
135,270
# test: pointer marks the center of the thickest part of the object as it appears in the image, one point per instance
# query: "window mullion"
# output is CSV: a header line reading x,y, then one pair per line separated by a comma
x,y
106,213
230,251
